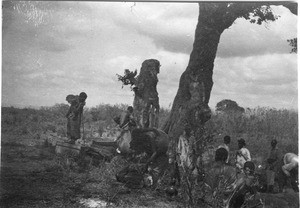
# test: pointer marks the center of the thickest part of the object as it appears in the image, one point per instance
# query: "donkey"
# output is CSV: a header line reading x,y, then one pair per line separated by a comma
x,y
152,141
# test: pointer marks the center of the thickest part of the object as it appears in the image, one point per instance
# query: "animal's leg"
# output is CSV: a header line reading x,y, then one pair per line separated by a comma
x,y
282,181
295,185
153,156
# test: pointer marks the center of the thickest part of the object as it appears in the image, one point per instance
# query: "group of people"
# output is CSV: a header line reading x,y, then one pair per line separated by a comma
x,y
242,155
237,169
273,160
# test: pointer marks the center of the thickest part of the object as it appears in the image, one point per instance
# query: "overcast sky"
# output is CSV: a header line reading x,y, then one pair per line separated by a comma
x,y
52,49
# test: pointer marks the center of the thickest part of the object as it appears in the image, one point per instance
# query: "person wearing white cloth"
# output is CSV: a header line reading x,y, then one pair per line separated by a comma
x,y
290,161
242,155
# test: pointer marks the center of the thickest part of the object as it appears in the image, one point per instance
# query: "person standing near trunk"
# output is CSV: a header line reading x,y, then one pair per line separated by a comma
x,y
273,159
74,115
126,119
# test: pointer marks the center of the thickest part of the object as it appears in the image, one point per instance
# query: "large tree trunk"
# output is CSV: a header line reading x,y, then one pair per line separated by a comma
x,y
190,107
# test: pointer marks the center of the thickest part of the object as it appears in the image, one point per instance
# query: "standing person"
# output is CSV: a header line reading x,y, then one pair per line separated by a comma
x,y
186,149
74,115
126,122
72,100
272,161
126,119
225,146
242,155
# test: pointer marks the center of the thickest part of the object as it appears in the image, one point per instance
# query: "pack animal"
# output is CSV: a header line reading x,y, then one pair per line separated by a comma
x,y
151,141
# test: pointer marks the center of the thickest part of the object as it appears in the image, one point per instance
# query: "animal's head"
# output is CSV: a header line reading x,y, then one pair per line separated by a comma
x,y
123,142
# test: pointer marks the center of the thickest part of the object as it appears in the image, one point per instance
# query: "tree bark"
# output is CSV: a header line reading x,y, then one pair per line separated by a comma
x,y
190,107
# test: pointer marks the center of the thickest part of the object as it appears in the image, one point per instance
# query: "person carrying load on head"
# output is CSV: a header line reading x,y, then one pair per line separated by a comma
x,y
74,115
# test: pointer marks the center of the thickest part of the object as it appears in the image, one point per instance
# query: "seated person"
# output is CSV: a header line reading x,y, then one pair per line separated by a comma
x,y
245,194
221,179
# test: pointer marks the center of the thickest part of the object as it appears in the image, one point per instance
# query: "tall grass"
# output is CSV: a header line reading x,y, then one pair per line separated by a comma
x,y
257,126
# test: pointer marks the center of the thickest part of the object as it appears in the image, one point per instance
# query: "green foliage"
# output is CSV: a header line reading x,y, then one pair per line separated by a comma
x,y
263,14
260,14
293,44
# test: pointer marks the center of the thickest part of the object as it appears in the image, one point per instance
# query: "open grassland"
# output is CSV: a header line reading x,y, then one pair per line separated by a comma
x,y
32,175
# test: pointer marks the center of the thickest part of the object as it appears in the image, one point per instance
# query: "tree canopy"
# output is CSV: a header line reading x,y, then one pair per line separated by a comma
x,y
227,105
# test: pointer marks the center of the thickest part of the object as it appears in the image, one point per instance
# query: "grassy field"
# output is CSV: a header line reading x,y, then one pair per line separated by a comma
x,y
32,175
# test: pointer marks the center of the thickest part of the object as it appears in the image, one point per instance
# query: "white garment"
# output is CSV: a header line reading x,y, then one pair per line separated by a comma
x,y
290,161
183,151
243,155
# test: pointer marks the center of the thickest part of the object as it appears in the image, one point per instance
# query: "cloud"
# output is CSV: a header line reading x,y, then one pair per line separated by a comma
x,y
257,80
173,30
174,34
244,39
81,46
54,44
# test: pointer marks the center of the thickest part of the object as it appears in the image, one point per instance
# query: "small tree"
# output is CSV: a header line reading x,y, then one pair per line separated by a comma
x,y
229,106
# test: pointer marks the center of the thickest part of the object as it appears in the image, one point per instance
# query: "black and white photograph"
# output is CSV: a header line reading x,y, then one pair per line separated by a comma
x,y
149,104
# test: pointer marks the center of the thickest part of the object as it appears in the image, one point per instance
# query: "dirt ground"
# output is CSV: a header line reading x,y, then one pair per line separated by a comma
x,y
33,176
